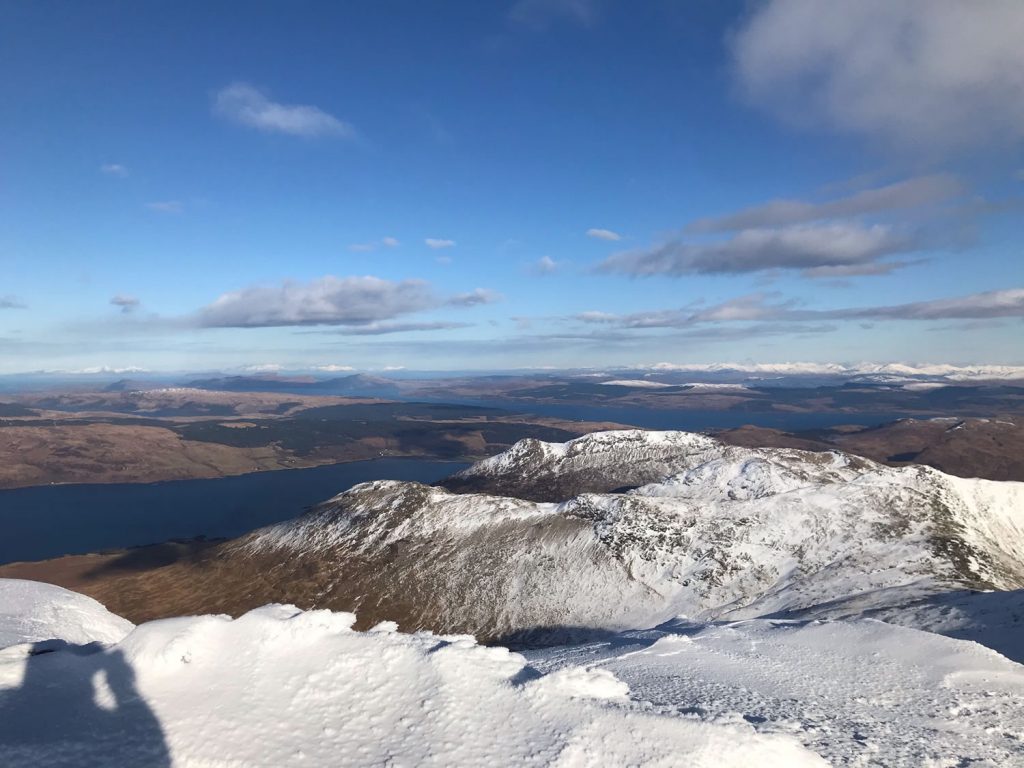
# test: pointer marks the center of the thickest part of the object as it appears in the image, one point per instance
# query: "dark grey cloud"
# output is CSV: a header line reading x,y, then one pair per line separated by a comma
x,y
909,193
809,248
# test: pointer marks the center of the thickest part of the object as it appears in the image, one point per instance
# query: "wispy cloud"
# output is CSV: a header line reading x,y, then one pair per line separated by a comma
x,y
603,234
245,104
384,242
770,307
937,74
842,247
540,14
436,243
545,265
11,302
909,193
166,206
474,297
114,169
380,329
127,304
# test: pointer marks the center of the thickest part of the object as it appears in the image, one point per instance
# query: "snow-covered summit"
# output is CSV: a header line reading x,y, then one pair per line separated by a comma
x,y
694,527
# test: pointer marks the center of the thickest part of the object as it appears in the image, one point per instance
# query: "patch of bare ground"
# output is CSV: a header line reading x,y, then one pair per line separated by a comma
x,y
110,453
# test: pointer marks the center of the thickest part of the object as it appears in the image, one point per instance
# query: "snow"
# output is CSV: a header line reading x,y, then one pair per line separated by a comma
x,y
724,533
639,383
283,687
31,612
889,370
859,692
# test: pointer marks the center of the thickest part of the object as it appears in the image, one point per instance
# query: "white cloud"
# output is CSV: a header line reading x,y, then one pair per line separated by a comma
x,y
355,302
166,206
114,169
389,242
126,303
603,234
262,368
545,265
326,301
444,260
435,243
243,103
850,246
936,74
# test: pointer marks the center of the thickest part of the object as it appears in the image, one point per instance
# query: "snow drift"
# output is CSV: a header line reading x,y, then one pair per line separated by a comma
x,y
280,687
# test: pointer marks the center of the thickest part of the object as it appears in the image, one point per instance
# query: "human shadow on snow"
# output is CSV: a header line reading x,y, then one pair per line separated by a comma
x,y
78,706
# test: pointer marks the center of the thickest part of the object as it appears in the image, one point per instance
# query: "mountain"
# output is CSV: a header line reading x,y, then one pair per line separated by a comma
x,y
674,599
969,447
612,531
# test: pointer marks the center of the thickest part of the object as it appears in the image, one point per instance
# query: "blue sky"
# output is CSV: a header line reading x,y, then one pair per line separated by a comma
x,y
509,184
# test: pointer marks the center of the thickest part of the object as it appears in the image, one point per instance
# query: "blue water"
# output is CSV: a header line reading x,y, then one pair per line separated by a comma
x,y
53,520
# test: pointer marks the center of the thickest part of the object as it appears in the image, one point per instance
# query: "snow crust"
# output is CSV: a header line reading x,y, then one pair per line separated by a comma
x,y
31,612
282,687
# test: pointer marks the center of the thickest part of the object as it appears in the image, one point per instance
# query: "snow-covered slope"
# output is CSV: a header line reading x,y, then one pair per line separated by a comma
x,y
858,692
723,532
31,612
279,687
282,687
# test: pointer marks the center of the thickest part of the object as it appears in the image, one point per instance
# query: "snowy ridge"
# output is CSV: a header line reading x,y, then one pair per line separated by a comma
x,y
726,532
31,612
282,687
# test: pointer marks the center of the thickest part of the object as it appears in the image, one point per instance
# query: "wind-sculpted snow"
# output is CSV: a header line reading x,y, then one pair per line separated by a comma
x,y
712,531
31,612
280,687
857,692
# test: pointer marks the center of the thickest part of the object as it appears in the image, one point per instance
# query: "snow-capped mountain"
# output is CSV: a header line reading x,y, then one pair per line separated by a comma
x,y
730,606
950,372
698,529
